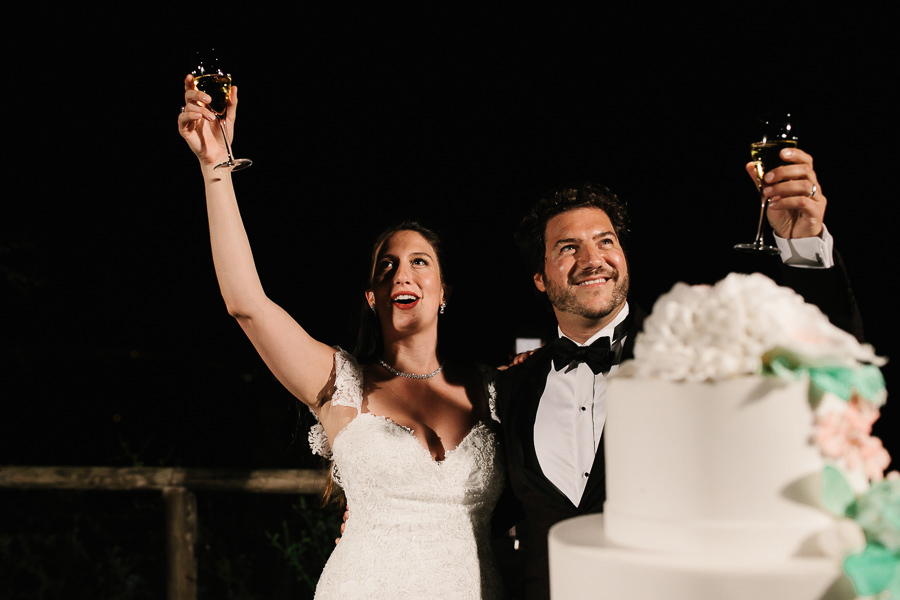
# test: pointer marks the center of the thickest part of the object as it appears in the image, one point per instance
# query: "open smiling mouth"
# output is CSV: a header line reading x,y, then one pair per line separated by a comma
x,y
594,280
405,300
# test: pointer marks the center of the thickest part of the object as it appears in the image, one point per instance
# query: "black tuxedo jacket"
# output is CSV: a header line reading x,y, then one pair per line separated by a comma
x,y
532,502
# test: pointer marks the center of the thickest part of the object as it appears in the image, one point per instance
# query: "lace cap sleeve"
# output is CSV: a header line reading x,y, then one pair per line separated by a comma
x,y
348,381
489,376
347,392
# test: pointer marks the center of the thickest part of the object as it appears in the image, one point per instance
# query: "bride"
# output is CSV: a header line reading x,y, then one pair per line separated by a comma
x,y
410,439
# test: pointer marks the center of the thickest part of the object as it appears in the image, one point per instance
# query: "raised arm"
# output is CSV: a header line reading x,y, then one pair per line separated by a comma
x,y
302,364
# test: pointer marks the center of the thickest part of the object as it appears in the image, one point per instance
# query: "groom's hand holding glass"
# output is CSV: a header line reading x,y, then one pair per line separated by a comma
x,y
796,203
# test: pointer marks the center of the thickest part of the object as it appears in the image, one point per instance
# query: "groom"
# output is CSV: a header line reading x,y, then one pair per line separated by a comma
x,y
552,407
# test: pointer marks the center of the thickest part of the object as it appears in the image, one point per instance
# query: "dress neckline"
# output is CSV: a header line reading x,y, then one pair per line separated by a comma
x,y
480,424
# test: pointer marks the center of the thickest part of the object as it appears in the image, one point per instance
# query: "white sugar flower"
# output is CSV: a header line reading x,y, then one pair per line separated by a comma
x,y
701,333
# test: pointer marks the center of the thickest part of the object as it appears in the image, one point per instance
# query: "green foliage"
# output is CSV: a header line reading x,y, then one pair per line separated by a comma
x,y
254,546
236,575
307,541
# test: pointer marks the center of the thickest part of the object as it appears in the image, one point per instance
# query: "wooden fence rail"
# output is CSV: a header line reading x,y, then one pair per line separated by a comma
x,y
177,486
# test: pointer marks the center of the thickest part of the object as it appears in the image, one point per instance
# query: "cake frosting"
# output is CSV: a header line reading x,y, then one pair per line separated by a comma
x,y
739,460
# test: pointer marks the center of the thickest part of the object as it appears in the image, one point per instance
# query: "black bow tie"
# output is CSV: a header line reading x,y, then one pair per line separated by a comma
x,y
597,356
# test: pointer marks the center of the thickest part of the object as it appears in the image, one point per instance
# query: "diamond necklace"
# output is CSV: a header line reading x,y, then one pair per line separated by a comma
x,y
410,375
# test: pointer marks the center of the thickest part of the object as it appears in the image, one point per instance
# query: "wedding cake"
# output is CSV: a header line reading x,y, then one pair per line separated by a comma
x,y
739,460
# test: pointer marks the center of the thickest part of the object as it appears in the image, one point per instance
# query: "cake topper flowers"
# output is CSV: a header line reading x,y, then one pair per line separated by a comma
x,y
705,333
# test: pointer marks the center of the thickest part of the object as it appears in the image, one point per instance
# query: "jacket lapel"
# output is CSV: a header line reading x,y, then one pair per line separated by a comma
x,y
637,324
595,490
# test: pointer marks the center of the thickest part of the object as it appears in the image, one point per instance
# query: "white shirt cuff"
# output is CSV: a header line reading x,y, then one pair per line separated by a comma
x,y
810,252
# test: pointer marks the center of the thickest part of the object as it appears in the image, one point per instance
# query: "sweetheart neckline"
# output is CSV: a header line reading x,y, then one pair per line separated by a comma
x,y
480,424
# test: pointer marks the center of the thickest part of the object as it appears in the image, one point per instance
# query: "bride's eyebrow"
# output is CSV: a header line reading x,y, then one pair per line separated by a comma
x,y
392,256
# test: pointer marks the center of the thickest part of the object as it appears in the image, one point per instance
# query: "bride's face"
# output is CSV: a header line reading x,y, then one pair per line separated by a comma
x,y
407,290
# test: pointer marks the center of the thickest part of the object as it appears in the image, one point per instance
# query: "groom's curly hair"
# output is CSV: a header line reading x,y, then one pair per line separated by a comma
x,y
530,235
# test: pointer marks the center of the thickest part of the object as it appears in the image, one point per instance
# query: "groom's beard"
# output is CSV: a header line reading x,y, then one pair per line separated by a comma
x,y
592,305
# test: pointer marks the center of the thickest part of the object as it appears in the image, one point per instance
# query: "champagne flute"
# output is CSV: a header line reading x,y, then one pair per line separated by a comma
x,y
778,131
211,79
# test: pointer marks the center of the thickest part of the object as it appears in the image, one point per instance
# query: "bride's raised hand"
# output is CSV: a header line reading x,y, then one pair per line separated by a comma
x,y
197,124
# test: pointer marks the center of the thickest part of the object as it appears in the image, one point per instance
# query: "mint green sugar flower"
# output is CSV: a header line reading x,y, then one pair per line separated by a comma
x,y
878,513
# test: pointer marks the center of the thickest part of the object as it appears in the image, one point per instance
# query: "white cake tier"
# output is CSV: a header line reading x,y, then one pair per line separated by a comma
x,y
585,564
722,469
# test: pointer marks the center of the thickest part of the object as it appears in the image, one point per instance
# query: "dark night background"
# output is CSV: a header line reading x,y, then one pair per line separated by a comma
x,y
116,347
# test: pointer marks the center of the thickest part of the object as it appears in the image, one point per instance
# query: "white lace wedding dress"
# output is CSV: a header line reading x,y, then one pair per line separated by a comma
x,y
418,528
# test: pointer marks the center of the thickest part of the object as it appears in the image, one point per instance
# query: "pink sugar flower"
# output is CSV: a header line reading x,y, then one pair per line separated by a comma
x,y
832,435
847,435
875,458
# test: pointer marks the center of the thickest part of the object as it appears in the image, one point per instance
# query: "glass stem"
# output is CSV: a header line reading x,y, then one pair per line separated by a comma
x,y
225,139
762,217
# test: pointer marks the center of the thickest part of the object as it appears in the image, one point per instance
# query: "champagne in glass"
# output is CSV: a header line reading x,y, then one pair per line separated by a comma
x,y
767,155
211,79
777,132
217,87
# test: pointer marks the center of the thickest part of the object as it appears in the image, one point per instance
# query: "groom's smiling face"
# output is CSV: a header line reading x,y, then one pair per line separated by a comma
x,y
585,272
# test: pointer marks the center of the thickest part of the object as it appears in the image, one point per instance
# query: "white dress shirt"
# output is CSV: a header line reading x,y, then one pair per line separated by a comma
x,y
809,253
570,418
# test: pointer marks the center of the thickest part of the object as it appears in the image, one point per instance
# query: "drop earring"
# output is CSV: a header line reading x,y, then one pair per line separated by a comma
x,y
443,306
